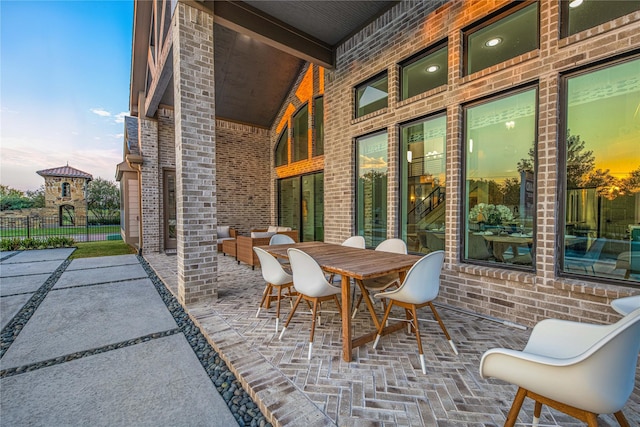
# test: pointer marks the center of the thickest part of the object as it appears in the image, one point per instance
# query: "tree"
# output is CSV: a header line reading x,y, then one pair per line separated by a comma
x,y
36,197
12,199
103,199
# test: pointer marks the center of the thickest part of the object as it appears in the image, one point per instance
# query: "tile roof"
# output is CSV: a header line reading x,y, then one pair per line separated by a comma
x,y
131,138
67,171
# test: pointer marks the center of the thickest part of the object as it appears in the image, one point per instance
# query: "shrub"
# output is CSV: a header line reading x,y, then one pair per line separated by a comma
x,y
15,244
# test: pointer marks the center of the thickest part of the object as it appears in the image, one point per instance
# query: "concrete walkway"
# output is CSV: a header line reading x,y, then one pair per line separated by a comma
x,y
91,342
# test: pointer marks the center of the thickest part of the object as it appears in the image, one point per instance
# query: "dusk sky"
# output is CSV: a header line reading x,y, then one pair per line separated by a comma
x,y
64,87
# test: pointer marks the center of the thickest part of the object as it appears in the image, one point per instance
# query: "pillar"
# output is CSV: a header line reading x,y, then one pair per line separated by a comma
x,y
194,90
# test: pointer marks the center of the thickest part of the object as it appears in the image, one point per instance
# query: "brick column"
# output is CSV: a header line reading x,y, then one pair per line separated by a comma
x,y
194,89
148,137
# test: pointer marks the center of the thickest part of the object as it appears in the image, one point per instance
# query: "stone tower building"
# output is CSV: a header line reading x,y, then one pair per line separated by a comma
x,y
65,191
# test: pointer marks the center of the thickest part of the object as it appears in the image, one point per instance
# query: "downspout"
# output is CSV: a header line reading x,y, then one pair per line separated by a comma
x,y
135,161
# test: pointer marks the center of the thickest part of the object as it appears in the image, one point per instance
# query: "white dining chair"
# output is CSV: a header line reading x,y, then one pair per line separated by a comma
x,y
280,239
626,305
355,242
276,277
311,285
379,284
419,288
580,369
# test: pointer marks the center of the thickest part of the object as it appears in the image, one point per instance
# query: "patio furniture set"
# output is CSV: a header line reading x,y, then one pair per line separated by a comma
x,y
580,369
241,247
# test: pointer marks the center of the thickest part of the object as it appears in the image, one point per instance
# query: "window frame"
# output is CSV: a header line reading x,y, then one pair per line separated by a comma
x,y
489,20
403,169
285,132
293,144
315,152
369,82
563,21
462,223
561,180
435,47
356,167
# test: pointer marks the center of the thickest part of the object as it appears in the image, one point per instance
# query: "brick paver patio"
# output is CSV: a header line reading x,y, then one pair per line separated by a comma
x,y
383,387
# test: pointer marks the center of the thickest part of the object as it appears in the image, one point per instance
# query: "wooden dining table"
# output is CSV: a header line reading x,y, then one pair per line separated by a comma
x,y
358,264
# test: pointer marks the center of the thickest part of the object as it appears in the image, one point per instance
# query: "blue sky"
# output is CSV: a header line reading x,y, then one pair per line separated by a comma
x,y
64,87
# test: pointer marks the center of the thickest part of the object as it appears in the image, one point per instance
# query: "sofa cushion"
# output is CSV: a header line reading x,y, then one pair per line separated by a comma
x,y
261,234
272,229
223,231
279,229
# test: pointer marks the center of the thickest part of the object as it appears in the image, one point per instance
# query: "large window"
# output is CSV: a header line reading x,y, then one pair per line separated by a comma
x,y
602,172
371,192
423,184
499,187
506,36
301,205
282,148
318,126
301,134
372,95
424,72
579,15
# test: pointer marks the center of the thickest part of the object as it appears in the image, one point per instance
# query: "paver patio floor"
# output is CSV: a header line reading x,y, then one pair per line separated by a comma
x,y
383,387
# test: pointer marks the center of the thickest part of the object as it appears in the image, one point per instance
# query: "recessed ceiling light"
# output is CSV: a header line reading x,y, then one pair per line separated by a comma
x,y
432,68
493,42
575,3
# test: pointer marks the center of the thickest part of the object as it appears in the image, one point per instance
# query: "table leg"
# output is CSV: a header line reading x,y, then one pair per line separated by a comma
x,y
346,319
367,300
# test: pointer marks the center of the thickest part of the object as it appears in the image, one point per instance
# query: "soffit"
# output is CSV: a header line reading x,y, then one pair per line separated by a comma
x,y
254,70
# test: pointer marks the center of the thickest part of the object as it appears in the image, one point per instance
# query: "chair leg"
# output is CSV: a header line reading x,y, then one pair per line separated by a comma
x,y
515,407
414,314
278,307
382,324
313,325
537,410
446,334
293,310
267,291
355,310
621,419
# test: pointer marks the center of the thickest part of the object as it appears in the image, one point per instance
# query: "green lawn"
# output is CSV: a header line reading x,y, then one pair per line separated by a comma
x,y
104,248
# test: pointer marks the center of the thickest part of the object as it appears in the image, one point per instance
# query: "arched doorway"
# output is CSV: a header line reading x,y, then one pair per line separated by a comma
x,y
67,215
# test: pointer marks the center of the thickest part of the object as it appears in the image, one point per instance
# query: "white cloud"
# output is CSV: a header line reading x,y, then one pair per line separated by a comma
x,y
100,112
120,117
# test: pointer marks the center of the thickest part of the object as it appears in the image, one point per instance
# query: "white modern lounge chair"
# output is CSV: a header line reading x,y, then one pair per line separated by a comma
x,y
580,369
312,286
419,289
276,277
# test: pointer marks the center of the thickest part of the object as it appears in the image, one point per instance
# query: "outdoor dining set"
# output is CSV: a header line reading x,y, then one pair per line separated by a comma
x,y
580,369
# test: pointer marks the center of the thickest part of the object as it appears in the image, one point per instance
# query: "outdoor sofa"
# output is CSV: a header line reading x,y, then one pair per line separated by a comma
x,y
259,237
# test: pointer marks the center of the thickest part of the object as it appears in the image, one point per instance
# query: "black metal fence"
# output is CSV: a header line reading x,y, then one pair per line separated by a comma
x,y
80,229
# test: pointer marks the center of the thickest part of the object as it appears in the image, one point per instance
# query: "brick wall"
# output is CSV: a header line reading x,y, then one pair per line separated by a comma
x,y
243,165
410,27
